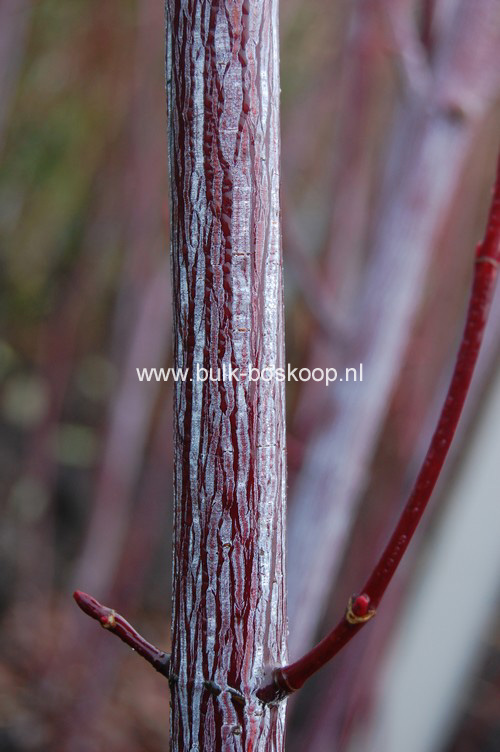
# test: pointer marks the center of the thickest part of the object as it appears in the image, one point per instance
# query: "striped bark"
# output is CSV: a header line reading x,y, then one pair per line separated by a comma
x,y
229,610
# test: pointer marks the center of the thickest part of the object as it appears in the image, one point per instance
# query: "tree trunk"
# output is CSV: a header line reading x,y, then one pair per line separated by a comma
x,y
229,610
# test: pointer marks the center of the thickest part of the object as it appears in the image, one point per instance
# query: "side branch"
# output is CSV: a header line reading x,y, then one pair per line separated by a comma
x,y
363,607
109,619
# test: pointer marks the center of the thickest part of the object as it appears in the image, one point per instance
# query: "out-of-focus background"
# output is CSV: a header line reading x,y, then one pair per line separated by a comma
x,y
390,125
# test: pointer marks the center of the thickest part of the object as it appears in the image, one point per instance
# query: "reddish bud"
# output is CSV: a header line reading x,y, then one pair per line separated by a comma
x,y
360,605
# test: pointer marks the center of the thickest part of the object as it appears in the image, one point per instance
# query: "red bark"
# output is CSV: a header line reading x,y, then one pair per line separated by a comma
x,y
229,619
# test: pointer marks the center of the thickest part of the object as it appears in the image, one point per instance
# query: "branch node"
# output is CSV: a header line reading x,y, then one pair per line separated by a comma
x,y
109,621
236,696
488,260
276,688
359,610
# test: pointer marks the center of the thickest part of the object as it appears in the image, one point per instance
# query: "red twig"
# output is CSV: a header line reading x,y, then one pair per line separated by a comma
x,y
115,623
363,607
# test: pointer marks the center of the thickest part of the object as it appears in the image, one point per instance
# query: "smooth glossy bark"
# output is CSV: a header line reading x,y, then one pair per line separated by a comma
x,y
229,619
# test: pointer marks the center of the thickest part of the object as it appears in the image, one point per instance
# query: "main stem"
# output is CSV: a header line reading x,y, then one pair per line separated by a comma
x,y
229,618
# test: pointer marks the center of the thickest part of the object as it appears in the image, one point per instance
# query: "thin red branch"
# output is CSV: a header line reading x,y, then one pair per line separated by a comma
x,y
109,619
363,607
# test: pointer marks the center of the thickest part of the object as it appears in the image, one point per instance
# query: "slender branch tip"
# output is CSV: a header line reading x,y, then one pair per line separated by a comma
x,y
109,619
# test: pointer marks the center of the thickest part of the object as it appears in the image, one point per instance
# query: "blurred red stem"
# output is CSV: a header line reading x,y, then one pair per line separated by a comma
x,y
362,607
115,623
